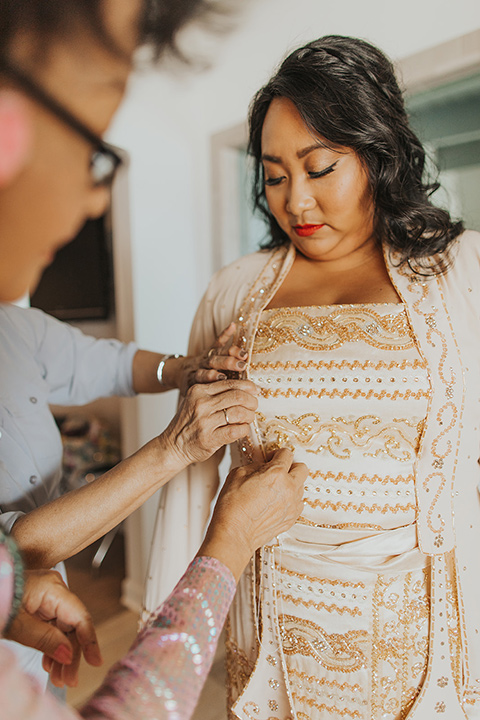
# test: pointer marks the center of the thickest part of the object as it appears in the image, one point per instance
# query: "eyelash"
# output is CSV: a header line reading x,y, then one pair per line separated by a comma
x,y
271,182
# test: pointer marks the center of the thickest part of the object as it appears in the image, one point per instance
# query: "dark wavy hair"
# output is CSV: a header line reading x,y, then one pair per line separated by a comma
x,y
159,22
346,92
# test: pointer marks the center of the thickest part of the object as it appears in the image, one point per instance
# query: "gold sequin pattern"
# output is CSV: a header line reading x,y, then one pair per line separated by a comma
x,y
340,652
330,330
347,390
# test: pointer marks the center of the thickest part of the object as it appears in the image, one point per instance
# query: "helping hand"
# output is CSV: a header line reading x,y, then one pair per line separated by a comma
x,y
53,620
210,417
221,361
255,505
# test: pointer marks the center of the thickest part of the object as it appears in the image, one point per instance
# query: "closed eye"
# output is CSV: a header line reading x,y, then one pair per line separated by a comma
x,y
325,171
273,181
321,173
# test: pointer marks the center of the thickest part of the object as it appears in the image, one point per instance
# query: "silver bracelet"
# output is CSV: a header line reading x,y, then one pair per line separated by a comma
x,y
161,365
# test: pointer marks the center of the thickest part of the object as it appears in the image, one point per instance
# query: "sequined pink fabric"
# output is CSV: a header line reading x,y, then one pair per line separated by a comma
x,y
162,675
165,670
6,583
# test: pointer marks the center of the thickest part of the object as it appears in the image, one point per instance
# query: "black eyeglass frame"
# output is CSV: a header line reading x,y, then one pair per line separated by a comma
x,y
41,96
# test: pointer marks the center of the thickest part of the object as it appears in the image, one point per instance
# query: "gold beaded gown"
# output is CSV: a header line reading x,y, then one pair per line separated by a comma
x,y
345,593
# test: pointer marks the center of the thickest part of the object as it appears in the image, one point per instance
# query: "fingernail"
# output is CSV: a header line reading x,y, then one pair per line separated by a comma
x,y
63,655
221,376
243,353
241,365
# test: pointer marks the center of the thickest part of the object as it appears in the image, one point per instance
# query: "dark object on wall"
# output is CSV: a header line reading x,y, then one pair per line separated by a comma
x,y
78,284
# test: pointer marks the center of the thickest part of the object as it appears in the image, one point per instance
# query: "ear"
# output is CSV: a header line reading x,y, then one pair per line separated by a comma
x,y
15,135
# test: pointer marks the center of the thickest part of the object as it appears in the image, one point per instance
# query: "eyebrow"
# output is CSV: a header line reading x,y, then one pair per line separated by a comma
x,y
300,154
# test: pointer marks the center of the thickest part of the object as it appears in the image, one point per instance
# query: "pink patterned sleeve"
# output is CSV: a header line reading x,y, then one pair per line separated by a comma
x,y
163,674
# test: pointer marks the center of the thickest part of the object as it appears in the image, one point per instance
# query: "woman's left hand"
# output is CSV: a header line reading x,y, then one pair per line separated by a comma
x,y
223,360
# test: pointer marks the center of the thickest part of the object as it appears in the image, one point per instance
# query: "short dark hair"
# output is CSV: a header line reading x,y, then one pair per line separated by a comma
x,y
158,25
346,91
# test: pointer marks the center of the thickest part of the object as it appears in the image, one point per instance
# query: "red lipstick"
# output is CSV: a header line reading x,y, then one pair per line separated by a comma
x,y
306,230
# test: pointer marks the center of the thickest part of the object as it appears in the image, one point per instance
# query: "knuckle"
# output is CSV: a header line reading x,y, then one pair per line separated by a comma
x,y
235,432
237,396
245,415
193,393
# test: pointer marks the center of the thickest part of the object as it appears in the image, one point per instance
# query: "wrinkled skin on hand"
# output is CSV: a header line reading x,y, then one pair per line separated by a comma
x,y
209,417
256,504
55,621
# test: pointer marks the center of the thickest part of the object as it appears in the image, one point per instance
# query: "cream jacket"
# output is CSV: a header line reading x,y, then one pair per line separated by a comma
x,y
444,312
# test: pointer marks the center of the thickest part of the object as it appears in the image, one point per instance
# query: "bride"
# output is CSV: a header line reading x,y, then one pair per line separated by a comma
x,y
360,319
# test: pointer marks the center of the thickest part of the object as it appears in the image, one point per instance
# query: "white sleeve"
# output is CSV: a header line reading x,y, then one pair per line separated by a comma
x,y
78,368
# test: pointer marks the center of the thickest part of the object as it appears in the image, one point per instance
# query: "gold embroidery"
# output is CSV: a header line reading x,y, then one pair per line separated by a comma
x,y
359,433
447,427
332,651
399,642
320,581
328,331
324,707
445,354
453,622
381,391
339,526
372,479
416,364
331,393
363,507
428,484
315,680
237,665
320,605
253,707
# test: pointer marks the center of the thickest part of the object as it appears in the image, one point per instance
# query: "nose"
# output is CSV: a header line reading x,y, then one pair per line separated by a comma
x,y
98,201
299,198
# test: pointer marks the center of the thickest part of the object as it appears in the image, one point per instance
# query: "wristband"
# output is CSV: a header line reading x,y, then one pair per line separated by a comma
x,y
161,365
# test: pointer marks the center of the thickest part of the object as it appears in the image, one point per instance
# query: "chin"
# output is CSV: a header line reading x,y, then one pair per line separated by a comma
x,y
13,293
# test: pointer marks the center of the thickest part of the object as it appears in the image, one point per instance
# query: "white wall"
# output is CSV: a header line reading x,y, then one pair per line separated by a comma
x,y
166,124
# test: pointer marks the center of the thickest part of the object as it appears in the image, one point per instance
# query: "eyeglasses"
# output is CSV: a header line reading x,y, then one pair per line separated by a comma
x,y
105,160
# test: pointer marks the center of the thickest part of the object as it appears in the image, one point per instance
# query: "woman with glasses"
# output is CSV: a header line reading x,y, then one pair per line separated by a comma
x,y
361,321
63,71
47,362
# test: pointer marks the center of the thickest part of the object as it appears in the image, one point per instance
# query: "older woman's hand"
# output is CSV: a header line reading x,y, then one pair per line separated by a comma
x,y
223,360
53,620
209,417
255,504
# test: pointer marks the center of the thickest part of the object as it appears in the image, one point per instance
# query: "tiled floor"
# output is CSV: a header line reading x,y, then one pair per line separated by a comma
x,y
116,629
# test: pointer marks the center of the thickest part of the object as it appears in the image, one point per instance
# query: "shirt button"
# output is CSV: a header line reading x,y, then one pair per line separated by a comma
x,y
33,400
33,479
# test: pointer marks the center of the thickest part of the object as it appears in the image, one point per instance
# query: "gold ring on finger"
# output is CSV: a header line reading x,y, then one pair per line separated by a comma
x,y
226,417
211,352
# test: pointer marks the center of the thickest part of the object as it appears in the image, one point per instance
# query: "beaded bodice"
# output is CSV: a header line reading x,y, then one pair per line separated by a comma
x,y
344,386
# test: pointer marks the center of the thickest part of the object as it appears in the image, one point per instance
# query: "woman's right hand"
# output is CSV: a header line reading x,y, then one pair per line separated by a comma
x,y
209,417
255,504
222,360
55,621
